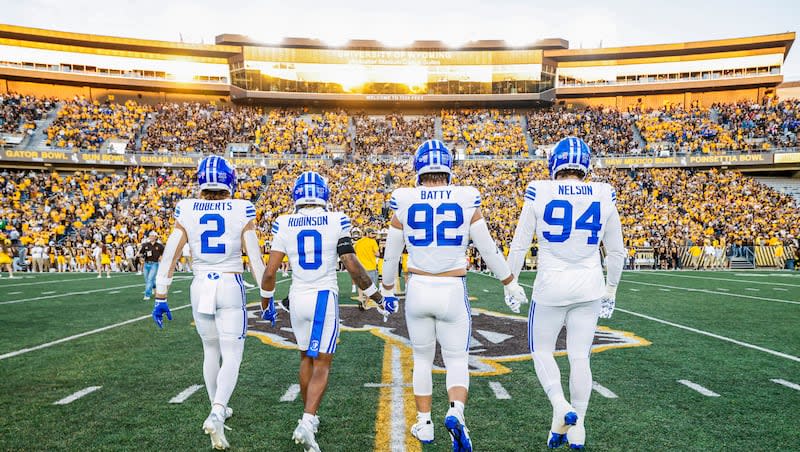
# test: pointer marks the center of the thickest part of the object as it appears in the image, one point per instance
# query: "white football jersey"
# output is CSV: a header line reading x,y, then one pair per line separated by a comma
x,y
436,224
570,219
309,238
214,230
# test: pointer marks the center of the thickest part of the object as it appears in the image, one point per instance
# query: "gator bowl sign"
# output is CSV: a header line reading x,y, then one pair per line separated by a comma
x,y
496,337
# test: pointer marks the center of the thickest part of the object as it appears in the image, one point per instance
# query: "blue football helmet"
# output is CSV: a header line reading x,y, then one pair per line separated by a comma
x,y
433,156
310,188
569,153
215,173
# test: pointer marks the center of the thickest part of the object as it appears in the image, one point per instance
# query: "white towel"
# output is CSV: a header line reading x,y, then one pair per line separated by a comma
x,y
206,292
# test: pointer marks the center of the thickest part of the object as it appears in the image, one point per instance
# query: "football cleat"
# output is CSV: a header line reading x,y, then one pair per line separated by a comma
x,y
228,412
423,431
459,433
304,435
215,428
576,437
556,440
563,418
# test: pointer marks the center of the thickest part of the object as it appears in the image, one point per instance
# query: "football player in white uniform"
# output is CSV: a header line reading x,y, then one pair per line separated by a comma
x,y
570,218
216,228
312,238
436,221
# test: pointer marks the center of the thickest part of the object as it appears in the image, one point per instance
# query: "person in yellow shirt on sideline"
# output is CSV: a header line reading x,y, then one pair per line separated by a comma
x,y
5,258
367,252
105,262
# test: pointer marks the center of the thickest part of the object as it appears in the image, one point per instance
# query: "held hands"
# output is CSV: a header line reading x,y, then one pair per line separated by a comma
x,y
159,309
514,296
608,302
268,311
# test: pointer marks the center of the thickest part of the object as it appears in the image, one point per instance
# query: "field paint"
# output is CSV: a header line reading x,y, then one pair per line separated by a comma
x,y
665,290
291,394
185,394
396,406
713,292
634,290
723,289
385,385
603,391
780,288
83,292
499,391
706,392
77,336
678,275
48,292
14,293
47,282
752,289
114,292
77,395
715,336
788,384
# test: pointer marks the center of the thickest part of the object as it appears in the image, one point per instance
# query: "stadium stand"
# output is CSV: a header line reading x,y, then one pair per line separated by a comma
x,y
606,130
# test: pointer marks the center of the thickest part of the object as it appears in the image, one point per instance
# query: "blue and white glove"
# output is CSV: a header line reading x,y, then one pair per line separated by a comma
x,y
389,303
514,296
268,311
607,302
159,309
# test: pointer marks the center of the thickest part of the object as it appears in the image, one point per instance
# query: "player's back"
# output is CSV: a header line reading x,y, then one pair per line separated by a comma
x,y
309,238
214,231
570,221
436,224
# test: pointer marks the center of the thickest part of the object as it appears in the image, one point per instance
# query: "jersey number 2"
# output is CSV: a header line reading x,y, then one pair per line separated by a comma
x,y
217,232
589,220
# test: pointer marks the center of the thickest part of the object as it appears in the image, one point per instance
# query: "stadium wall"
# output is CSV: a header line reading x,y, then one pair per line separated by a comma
x,y
63,91
658,100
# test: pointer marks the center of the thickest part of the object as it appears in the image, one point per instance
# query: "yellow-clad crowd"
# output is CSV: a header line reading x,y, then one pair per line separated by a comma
x,y
393,134
605,130
87,125
484,132
19,113
72,212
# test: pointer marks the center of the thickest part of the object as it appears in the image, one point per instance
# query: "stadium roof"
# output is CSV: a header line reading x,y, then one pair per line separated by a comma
x,y
371,44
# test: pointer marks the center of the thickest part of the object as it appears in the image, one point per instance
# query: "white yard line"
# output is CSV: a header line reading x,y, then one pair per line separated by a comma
x,y
634,290
706,392
679,275
185,394
77,336
397,435
48,292
732,294
715,336
77,395
788,384
82,292
603,391
752,289
47,282
723,289
291,394
14,293
500,392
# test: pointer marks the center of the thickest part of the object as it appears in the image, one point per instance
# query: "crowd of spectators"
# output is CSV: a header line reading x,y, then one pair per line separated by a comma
x,y
485,132
18,112
195,127
762,126
85,124
685,130
606,130
392,134
71,213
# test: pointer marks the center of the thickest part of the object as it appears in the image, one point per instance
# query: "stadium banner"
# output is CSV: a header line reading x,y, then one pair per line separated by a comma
x,y
787,157
685,161
57,156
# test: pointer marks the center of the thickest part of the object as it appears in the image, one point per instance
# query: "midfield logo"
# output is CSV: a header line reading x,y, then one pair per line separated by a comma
x,y
496,337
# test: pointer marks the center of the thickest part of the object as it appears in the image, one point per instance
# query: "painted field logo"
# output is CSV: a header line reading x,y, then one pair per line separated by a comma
x,y
496,337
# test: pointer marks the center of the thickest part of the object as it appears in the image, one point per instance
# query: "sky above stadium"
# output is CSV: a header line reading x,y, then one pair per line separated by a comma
x,y
585,24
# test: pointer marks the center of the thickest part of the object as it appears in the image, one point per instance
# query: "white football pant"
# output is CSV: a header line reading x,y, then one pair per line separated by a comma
x,y
437,308
544,325
315,319
222,332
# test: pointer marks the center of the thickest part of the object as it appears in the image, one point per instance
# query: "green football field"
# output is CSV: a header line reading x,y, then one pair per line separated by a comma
x,y
689,361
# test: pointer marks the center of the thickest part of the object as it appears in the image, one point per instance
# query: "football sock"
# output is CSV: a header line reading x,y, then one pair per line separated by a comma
x,y
211,357
580,384
459,406
232,350
308,417
423,417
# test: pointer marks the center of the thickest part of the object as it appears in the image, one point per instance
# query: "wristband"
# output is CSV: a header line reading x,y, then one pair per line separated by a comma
x,y
370,291
267,293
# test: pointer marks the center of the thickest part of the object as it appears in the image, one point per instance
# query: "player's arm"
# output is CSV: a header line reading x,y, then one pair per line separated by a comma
x,y
615,249
479,233
268,280
388,303
392,252
523,235
172,252
253,250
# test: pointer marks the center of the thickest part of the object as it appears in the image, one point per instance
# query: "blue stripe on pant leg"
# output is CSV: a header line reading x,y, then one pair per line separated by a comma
x,y
240,280
469,310
332,345
319,323
531,311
